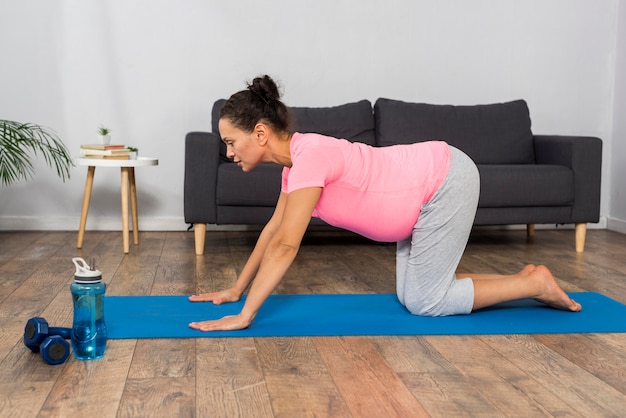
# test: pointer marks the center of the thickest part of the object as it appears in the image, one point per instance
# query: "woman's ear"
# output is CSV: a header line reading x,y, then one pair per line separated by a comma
x,y
262,133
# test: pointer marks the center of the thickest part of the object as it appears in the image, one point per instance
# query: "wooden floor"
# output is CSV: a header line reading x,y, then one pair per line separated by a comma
x,y
511,375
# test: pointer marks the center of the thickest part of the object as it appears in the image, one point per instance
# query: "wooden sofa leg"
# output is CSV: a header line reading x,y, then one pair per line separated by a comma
x,y
530,230
199,232
581,233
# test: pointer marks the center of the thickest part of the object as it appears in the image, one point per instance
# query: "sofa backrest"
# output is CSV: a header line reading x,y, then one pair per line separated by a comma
x,y
489,134
351,121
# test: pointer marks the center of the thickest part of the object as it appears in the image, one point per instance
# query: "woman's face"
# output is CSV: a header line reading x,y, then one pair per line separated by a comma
x,y
243,147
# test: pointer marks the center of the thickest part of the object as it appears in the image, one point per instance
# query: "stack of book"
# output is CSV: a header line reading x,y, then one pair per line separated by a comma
x,y
102,151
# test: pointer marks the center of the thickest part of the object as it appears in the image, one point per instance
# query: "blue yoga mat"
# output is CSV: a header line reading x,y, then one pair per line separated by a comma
x,y
345,315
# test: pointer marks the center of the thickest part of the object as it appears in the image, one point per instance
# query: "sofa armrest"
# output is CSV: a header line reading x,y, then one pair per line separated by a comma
x,y
584,156
202,158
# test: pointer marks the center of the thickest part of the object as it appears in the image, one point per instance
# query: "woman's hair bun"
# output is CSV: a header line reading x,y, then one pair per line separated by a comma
x,y
259,102
265,88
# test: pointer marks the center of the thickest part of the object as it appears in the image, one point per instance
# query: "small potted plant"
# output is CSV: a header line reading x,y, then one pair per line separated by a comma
x,y
104,135
134,152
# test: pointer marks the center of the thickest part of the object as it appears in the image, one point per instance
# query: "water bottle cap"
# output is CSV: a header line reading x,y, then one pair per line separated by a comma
x,y
84,273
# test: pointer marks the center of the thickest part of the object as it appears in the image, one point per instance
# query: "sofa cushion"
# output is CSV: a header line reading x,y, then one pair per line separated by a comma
x,y
352,121
489,134
525,185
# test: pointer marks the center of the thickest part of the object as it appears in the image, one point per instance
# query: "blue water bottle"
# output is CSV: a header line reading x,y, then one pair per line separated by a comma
x,y
89,332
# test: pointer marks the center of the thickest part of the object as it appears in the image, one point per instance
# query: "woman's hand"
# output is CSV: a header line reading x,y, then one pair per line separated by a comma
x,y
224,296
227,323
269,261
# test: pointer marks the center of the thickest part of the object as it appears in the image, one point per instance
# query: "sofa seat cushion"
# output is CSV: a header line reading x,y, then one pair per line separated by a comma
x,y
259,188
525,185
519,185
489,134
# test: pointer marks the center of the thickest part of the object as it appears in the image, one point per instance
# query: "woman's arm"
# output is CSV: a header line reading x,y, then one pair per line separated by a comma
x,y
272,256
251,267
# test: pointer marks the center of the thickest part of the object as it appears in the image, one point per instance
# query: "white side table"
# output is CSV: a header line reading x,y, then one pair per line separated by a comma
x,y
128,183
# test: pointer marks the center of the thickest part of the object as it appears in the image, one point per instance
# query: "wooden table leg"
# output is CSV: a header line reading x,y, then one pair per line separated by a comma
x,y
91,170
133,205
125,240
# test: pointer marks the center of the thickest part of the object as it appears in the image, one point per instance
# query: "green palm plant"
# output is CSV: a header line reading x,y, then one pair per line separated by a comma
x,y
21,141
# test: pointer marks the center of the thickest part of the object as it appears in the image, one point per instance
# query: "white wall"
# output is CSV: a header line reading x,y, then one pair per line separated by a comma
x,y
617,173
151,69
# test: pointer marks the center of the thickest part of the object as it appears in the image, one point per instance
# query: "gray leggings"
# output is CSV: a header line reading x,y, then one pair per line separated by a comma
x,y
426,262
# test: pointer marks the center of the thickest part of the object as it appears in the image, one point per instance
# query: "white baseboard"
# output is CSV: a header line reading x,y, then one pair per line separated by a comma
x,y
617,225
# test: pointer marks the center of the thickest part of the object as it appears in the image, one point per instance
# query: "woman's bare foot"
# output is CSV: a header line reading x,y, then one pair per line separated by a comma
x,y
551,293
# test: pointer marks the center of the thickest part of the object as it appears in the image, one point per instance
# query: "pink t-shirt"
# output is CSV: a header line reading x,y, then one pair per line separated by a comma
x,y
375,192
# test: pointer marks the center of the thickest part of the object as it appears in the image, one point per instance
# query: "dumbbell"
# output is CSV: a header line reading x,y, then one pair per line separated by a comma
x,y
49,341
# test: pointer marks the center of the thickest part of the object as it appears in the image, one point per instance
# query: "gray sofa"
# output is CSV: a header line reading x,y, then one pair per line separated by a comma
x,y
524,178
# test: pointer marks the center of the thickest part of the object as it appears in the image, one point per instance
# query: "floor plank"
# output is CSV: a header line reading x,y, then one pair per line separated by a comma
x,y
91,388
229,379
365,380
158,397
298,382
508,387
579,389
441,388
591,355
